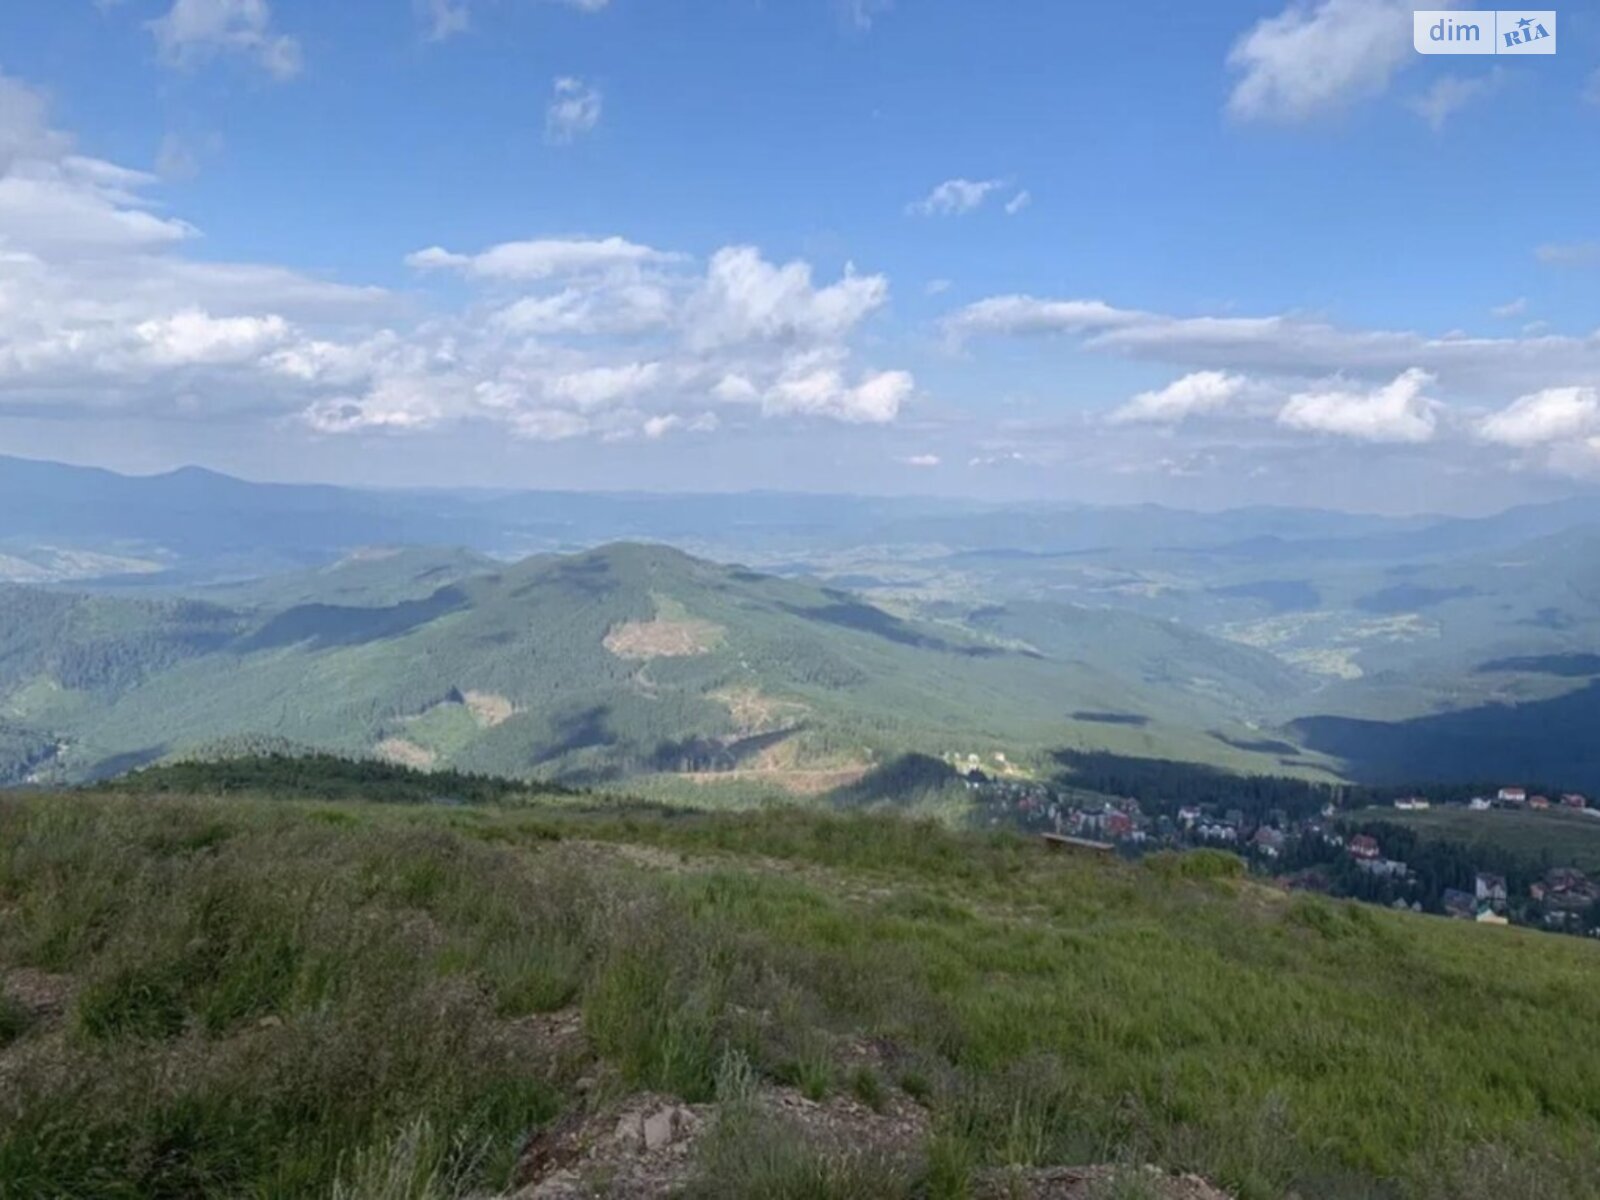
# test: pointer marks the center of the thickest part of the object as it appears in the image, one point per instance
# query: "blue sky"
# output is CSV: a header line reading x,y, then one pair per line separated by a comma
x,y
1213,253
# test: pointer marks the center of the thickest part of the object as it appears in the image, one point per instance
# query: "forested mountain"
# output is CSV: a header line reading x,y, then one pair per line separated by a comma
x,y
629,660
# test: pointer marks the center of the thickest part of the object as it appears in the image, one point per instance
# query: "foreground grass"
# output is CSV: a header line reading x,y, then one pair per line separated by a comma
x,y
288,999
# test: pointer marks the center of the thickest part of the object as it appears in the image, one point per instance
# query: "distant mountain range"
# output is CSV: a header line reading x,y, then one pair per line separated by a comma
x,y
554,635
193,525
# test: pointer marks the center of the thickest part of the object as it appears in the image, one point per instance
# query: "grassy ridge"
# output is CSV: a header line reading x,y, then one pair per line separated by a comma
x,y
1553,837
270,998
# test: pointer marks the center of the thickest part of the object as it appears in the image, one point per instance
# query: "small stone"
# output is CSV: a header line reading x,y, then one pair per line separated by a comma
x,y
666,1126
628,1130
660,1128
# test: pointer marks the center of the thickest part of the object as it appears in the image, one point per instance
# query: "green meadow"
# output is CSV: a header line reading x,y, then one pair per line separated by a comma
x,y
275,998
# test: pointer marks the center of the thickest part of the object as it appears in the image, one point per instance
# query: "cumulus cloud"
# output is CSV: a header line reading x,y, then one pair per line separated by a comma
x,y
818,388
1315,57
1450,93
443,19
1198,393
1552,415
103,310
540,258
1569,254
745,298
1398,411
193,31
955,197
860,14
574,110
1289,344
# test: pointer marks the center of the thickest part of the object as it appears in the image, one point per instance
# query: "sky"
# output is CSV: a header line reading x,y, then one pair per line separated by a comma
x,y
1199,254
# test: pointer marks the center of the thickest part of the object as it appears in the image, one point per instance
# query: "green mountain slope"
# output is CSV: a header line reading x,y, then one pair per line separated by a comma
x,y
626,661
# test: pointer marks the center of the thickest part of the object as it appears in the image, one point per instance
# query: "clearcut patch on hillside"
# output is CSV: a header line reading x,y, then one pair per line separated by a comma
x,y
755,712
488,709
406,753
662,638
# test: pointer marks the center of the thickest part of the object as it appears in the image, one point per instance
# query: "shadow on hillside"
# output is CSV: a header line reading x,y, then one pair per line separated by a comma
x,y
849,613
325,626
1544,739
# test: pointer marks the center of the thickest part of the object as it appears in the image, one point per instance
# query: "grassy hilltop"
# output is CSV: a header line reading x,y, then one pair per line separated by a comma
x,y
248,996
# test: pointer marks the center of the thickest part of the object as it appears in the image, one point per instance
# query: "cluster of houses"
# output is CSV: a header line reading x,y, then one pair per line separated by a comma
x,y
1565,899
1516,797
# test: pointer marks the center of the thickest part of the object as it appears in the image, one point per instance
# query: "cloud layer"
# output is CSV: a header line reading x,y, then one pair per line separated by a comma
x,y
102,309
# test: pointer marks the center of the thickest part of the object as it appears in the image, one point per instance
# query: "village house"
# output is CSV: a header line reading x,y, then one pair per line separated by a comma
x,y
1513,795
1269,841
1383,868
1491,890
1574,800
1488,916
1189,815
1365,846
1540,802
1412,804
1460,905
1216,831
1479,804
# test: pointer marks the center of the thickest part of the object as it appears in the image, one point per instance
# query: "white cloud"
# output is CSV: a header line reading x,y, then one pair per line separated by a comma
x,y
815,386
1511,308
862,13
1315,57
193,336
1397,411
442,19
102,312
744,298
1018,202
1197,394
1289,344
597,387
955,197
1451,93
659,426
574,110
540,258
922,460
936,287
1553,415
1569,254
193,31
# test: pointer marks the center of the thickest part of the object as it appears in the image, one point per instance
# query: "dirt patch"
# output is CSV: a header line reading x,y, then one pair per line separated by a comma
x,y
753,712
406,754
1091,1183
662,639
648,1145
42,994
488,709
